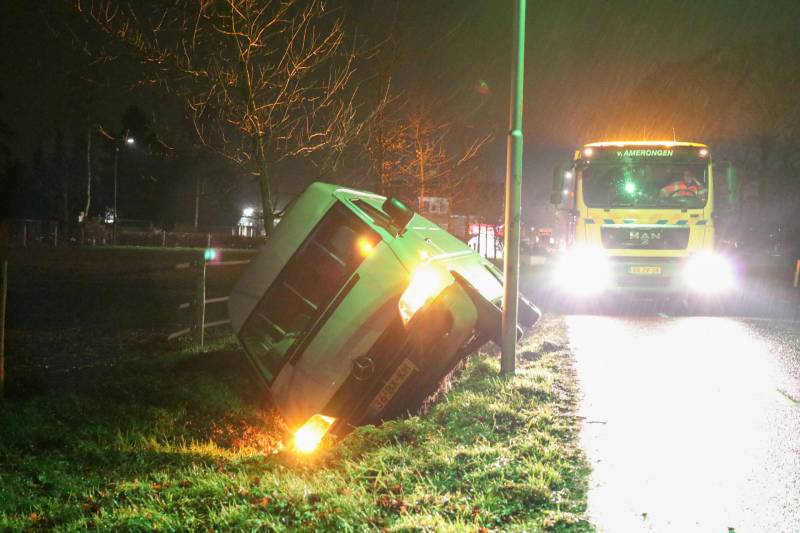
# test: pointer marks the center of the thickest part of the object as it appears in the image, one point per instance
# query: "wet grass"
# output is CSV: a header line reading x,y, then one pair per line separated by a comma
x,y
109,427
183,440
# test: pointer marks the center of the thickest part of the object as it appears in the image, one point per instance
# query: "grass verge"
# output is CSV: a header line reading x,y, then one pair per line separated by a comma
x,y
184,441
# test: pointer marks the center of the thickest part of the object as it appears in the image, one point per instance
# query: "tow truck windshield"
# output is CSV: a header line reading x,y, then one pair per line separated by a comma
x,y
645,185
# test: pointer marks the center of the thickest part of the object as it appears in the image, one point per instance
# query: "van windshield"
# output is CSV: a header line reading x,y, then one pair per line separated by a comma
x,y
306,286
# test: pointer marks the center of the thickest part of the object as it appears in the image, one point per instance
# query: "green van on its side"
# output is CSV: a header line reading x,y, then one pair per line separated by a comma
x,y
356,309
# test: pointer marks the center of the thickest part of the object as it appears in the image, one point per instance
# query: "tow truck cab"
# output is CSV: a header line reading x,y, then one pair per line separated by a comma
x,y
356,308
641,217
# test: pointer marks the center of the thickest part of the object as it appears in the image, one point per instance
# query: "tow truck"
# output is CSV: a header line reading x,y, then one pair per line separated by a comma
x,y
356,308
641,218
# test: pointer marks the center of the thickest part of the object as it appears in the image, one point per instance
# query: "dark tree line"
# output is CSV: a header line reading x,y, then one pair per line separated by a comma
x,y
269,96
156,181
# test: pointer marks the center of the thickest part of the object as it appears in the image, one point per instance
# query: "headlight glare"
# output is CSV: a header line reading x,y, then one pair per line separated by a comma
x,y
708,273
583,270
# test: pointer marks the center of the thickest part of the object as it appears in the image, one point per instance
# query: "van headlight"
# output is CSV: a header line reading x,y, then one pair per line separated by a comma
x,y
708,273
427,281
308,437
583,271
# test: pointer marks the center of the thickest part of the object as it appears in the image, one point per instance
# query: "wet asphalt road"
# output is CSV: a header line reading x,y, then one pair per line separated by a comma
x,y
691,424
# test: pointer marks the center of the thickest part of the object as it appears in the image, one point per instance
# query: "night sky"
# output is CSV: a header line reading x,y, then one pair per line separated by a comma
x,y
594,69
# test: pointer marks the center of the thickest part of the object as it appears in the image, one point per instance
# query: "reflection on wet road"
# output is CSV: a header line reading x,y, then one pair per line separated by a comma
x,y
691,424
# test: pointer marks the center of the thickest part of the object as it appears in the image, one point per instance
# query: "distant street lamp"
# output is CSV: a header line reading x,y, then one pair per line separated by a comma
x,y
130,141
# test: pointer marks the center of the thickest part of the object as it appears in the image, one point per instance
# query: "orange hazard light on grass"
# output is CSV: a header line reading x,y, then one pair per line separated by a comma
x,y
308,437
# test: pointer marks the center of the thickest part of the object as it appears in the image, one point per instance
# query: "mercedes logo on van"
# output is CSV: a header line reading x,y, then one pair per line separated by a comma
x,y
363,368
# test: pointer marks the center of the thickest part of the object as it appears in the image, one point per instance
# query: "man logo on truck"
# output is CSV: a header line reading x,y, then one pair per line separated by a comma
x,y
644,237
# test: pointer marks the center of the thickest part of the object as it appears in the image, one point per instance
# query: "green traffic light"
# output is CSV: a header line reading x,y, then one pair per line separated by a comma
x,y
630,187
210,254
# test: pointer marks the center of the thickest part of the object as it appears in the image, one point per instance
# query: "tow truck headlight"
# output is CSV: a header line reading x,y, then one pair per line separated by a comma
x,y
707,272
427,281
308,437
583,270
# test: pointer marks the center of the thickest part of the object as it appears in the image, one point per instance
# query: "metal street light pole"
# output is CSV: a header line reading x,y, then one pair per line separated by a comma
x,y
116,214
513,197
129,141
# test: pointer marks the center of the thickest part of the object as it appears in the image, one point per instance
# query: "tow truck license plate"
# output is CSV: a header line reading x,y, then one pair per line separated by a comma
x,y
645,270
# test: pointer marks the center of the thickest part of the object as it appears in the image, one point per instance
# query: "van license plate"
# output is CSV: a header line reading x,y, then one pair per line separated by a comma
x,y
388,391
645,270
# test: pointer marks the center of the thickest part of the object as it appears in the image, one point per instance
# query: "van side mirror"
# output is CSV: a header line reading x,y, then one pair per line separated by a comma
x,y
399,212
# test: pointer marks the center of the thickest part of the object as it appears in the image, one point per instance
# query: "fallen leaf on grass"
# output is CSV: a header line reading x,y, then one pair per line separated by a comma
x,y
185,483
260,502
391,504
90,507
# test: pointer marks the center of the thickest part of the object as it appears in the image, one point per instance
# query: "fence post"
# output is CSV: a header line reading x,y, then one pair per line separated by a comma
x,y
200,304
55,236
24,234
3,292
163,238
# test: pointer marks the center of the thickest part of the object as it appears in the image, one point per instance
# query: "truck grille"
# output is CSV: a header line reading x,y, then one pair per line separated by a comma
x,y
645,238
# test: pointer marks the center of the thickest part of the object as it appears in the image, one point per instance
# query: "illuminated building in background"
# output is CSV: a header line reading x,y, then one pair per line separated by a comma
x,y
251,223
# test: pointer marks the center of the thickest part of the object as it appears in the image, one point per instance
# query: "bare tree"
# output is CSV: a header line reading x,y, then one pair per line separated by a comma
x,y
460,179
384,143
429,157
262,80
